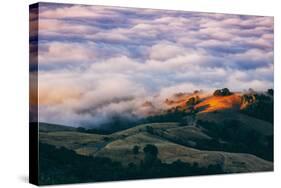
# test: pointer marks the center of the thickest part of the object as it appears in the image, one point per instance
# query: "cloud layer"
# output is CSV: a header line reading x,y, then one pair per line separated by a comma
x,y
97,62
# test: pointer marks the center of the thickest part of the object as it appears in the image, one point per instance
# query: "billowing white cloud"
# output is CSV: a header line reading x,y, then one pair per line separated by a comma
x,y
97,62
62,52
163,51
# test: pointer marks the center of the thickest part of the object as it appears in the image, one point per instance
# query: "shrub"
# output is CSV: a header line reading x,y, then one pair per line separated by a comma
x,y
222,92
136,150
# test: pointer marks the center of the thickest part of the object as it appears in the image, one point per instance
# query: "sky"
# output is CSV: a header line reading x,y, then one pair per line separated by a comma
x,y
96,62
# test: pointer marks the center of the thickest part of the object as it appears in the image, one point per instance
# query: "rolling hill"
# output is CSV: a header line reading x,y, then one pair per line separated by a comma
x,y
174,143
194,134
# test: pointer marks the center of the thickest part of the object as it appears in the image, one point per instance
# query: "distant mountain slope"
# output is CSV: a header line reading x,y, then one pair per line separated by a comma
x,y
250,123
47,127
218,103
205,102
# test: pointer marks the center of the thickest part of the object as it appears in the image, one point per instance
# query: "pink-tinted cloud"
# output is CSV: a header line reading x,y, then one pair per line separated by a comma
x,y
96,62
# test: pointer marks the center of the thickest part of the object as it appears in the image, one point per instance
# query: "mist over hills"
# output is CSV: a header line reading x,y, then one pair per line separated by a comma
x,y
183,104
195,134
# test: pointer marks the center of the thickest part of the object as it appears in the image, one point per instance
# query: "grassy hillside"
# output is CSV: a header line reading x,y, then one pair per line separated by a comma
x,y
174,143
197,134
61,166
217,103
250,123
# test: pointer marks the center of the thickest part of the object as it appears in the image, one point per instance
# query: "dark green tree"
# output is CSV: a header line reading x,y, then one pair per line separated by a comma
x,y
217,92
270,92
136,150
222,92
81,129
191,101
150,154
225,92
